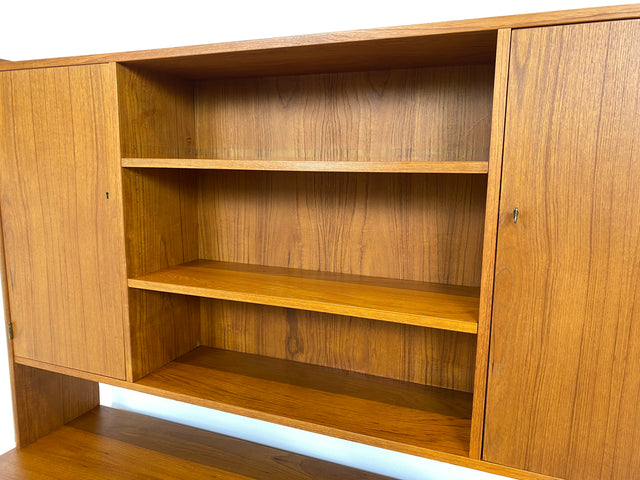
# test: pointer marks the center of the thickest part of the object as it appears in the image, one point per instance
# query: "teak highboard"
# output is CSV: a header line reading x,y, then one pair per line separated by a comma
x,y
420,238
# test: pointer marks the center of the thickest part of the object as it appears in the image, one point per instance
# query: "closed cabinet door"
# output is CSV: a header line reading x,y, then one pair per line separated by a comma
x,y
62,225
563,395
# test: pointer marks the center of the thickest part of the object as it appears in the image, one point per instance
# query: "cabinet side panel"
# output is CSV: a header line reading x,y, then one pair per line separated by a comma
x,y
163,327
412,114
403,352
45,401
564,375
160,219
62,216
413,227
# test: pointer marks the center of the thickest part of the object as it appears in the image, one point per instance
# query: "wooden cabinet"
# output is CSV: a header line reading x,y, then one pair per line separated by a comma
x,y
291,229
565,361
320,232
62,217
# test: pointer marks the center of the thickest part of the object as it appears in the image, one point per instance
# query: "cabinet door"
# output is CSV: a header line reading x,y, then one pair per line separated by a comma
x,y
564,376
61,216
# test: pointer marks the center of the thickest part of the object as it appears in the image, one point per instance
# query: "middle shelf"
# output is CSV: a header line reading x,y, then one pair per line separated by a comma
x,y
446,307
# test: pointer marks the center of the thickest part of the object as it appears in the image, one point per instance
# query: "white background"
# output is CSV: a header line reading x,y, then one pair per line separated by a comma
x,y
43,29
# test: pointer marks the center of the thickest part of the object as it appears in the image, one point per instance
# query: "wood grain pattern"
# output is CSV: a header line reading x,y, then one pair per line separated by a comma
x,y
107,443
62,207
426,228
160,225
4,282
45,401
163,327
457,41
440,114
287,58
464,461
434,166
212,449
372,410
161,231
73,453
420,355
410,303
160,219
489,243
565,354
156,114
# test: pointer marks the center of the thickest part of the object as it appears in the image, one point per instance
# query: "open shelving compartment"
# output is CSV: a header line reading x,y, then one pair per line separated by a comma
x,y
304,239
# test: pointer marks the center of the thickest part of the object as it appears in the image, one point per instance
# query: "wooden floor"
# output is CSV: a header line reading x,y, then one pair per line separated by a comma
x,y
113,444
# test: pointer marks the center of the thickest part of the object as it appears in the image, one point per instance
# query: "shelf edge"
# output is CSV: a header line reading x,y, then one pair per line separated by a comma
x,y
469,167
312,305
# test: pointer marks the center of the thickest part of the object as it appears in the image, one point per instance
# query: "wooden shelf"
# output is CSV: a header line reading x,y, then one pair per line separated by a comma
x,y
386,413
476,167
428,305
106,443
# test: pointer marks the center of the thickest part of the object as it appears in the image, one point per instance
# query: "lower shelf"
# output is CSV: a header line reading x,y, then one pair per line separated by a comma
x,y
387,413
107,444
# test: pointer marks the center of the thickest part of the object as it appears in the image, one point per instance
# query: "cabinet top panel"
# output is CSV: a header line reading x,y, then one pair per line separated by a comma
x,y
445,43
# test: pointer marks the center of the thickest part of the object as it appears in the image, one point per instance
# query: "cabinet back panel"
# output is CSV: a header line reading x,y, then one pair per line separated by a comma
x,y
414,114
408,226
402,352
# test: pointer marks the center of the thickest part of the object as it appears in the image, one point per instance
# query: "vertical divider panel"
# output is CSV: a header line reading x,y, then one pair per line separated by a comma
x,y
490,234
160,224
157,119
157,114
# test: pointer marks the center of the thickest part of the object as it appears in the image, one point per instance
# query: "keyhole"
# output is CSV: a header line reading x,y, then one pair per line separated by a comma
x,y
107,195
516,212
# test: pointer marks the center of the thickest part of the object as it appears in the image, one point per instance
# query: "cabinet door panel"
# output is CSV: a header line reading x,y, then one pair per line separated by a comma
x,y
564,377
61,216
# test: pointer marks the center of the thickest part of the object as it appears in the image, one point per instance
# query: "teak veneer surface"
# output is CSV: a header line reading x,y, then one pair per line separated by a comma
x,y
461,460
428,305
434,166
46,400
564,376
223,163
428,356
418,227
489,241
418,114
373,410
156,114
161,228
457,42
439,114
62,216
112,444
